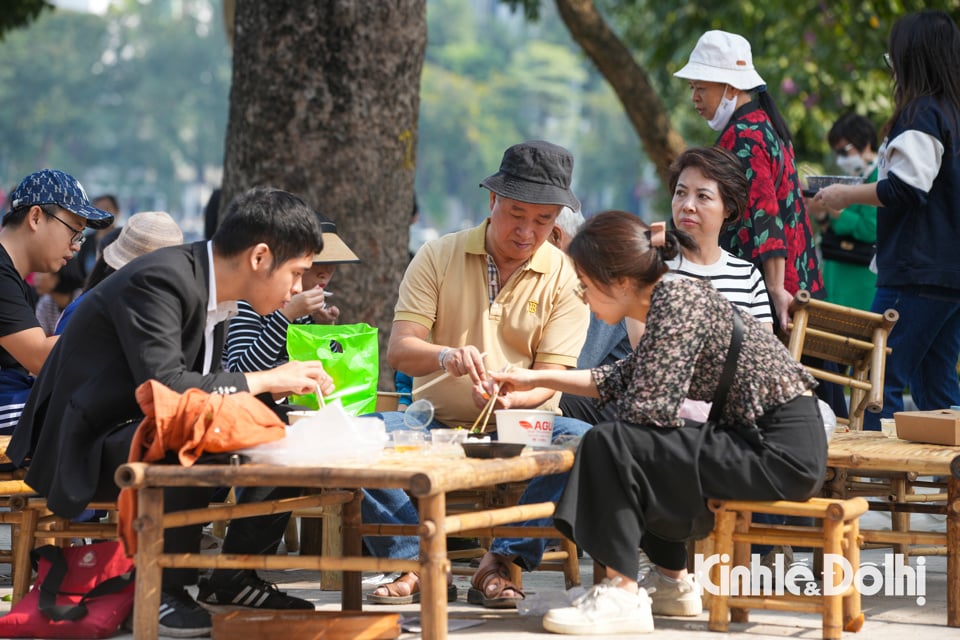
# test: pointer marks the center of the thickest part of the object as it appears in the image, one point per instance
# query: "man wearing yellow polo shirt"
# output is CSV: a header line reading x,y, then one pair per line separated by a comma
x,y
498,289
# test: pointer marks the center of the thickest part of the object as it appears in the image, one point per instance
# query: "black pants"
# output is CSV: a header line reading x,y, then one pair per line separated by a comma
x,y
256,535
642,485
587,409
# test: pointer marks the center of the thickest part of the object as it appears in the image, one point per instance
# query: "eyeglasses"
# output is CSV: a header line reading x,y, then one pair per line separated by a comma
x,y
78,237
844,151
888,61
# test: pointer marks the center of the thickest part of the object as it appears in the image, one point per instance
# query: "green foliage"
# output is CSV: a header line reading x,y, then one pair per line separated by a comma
x,y
820,59
492,79
134,101
17,14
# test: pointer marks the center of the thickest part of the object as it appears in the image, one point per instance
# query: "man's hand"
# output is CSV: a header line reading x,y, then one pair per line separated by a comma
x,y
465,361
294,377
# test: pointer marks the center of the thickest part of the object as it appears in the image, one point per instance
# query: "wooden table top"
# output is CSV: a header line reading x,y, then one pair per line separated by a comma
x,y
420,474
874,451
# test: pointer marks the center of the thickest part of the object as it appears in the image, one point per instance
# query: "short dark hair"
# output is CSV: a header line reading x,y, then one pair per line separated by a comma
x,y
109,197
616,244
855,129
721,165
275,217
16,217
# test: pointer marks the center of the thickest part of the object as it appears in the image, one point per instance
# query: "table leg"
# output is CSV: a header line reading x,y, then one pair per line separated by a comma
x,y
149,527
433,566
351,598
953,553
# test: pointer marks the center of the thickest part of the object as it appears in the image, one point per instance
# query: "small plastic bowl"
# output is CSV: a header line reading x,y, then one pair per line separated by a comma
x,y
492,449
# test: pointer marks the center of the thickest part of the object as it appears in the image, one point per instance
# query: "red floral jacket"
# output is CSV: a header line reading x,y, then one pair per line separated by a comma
x,y
775,223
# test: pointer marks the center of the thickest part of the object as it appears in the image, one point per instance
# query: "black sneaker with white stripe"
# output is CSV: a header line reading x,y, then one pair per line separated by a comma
x,y
247,591
181,617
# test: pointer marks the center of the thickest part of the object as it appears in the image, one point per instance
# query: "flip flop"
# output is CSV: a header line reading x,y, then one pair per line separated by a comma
x,y
496,601
412,598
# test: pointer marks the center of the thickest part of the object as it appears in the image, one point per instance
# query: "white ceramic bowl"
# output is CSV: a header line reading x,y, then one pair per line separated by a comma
x,y
529,426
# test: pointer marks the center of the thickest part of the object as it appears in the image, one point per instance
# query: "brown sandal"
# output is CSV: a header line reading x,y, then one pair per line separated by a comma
x,y
482,579
392,597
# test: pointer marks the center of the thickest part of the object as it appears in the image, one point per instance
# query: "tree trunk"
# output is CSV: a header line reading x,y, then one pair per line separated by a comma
x,y
628,79
324,104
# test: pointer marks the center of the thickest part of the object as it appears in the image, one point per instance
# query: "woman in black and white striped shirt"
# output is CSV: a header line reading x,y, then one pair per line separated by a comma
x,y
709,190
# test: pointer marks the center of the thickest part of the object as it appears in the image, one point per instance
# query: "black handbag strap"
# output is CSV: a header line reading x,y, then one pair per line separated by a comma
x,y
729,368
50,586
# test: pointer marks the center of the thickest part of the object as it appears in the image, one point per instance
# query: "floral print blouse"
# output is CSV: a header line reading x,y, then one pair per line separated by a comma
x,y
775,223
681,355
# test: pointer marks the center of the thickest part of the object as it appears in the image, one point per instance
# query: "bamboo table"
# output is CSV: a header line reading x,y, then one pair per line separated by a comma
x,y
871,451
427,477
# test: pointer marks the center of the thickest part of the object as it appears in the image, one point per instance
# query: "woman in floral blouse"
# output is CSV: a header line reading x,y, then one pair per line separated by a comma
x,y
644,479
774,232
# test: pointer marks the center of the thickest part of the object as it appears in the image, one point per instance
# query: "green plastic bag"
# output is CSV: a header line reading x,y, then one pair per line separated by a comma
x,y
349,353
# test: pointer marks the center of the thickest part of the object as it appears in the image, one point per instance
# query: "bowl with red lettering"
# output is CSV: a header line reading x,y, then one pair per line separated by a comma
x,y
532,427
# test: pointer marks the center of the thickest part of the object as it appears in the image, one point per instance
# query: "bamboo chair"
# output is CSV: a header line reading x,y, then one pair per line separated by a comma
x,y
857,339
849,337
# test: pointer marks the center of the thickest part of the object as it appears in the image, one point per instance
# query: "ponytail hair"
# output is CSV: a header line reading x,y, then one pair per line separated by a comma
x,y
616,244
765,100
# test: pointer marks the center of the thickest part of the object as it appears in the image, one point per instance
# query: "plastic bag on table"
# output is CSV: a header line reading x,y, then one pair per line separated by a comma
x,y
330,435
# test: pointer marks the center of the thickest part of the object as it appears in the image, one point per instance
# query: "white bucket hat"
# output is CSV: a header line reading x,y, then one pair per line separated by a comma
x,y
722,57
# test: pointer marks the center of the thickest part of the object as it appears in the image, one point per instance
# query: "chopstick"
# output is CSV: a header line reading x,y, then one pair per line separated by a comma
x,y
320,398
492,401
485,414
442,376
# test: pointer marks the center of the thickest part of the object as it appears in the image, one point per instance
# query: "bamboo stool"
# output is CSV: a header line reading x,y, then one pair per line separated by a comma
x,y
849,337
837,532
39,526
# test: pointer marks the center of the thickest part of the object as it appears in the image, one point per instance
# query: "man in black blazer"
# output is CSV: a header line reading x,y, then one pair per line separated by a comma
x,y
162,317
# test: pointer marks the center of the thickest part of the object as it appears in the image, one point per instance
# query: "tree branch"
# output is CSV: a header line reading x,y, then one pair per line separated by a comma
x,y
629,80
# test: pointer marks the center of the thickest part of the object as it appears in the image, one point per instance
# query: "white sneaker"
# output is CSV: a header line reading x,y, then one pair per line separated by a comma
x,y
672,598
604,609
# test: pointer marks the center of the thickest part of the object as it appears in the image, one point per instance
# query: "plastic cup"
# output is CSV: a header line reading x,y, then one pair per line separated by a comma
x,y
447,441
888,426
408,440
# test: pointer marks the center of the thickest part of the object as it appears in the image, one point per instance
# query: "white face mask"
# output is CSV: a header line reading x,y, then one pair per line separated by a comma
x,y
851,164
723,113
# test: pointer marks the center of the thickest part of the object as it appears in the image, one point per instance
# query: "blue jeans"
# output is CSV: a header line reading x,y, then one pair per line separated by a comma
x,y
925,344
393,506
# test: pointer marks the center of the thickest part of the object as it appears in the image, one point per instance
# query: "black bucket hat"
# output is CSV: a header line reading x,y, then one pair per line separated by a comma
x,y
537,172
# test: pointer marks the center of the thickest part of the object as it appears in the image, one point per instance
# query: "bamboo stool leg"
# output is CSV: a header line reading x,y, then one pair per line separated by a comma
x,y
832,604
741,557
852,612
723,547
291,536
571,564
22,546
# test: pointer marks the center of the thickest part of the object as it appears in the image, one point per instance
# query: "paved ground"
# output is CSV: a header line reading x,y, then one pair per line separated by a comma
x,y
888,617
